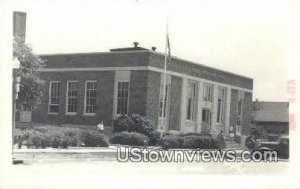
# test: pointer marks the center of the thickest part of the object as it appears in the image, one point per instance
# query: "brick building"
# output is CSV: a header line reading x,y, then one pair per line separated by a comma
x,y
84,88
273,117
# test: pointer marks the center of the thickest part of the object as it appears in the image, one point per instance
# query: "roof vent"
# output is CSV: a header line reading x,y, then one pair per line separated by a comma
x,y
153,48
135,44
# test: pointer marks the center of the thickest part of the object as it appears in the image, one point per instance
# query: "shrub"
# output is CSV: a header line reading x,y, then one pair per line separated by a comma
x,y
141,125
154,138
73,136
37,140
189,142
171,141
59,137
250,142
93,139
129,138
238,139
21,135
42,129
134,123
122,123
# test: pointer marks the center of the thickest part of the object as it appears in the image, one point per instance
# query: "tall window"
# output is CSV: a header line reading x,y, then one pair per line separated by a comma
x,y
54,97
207,92
122,97
191,101
90,97
72,96
221,105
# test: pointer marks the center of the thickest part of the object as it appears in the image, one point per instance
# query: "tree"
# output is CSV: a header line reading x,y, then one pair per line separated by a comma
x,y
30,86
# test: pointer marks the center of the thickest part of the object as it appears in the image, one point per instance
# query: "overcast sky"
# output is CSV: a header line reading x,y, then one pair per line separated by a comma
x,y
245,37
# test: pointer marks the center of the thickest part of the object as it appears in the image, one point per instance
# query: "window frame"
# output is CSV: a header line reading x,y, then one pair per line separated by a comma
x,y
85,98
49,96
67,97
128,94
210,95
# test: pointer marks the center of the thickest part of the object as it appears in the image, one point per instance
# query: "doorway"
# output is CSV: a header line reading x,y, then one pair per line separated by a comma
x,y
206,120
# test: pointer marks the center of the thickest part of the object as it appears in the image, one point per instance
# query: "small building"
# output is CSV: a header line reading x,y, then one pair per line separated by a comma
x,y
272,117
84,88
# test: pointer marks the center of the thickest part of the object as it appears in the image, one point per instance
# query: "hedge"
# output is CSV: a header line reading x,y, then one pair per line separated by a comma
x,y
57,137
189,142
129,138
94,138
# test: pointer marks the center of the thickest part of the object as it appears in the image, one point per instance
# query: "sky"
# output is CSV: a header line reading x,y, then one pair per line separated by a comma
x,y
251,38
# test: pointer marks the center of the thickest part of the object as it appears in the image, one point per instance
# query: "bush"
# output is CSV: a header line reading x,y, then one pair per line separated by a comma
x,y
37,140
93,139
141,125
129,138
134,123
20,136
122,123
189,142
238,139
171,141
154,138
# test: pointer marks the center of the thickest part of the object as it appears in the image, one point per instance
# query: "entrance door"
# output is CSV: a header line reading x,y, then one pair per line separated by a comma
x,y
206,120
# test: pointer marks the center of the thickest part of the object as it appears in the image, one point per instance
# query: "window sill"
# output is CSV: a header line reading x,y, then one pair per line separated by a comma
x,y
52,113
89,114
70,113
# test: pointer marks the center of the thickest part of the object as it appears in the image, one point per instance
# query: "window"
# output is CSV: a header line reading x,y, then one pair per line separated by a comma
x,y
90,97
221,105
54,88
165,100
122,97
191,101
207,92
72,96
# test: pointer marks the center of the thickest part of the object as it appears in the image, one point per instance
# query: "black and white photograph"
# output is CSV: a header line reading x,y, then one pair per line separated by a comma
x,y
150,94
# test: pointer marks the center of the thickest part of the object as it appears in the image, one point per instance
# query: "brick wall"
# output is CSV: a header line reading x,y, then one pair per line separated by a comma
x,y
91,60
105,86
201,71
153,88
175,102
138,92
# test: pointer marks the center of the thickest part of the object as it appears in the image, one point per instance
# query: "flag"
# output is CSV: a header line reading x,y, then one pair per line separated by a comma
x,y
168,49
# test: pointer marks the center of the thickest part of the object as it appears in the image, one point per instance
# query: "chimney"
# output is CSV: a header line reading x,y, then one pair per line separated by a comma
x,y
153,48
135,44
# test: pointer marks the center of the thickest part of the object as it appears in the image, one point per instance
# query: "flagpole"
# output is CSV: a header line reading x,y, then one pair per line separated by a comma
x,y
164,83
